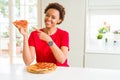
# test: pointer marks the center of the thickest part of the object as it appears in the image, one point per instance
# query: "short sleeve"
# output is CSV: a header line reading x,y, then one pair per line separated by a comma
x,y
31,40
65,39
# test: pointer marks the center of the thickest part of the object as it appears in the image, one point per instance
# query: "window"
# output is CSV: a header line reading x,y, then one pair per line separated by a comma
x,y
10,38
103,26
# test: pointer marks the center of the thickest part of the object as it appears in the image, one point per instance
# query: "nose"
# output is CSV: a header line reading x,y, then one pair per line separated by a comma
x,y
48,18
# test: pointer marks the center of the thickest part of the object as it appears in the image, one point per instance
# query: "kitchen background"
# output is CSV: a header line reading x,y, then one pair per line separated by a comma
x,y
93,26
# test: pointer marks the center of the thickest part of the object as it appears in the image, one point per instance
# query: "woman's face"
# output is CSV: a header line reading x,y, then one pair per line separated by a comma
x,y
52,17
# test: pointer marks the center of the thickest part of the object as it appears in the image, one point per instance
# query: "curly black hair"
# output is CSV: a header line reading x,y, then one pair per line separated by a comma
x,y
58,7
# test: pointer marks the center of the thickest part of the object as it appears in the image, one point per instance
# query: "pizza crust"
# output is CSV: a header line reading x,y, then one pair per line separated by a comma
x,y
41,68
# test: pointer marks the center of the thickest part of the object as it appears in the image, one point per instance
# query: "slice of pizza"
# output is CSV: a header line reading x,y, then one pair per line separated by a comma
x,y
21,23
41,68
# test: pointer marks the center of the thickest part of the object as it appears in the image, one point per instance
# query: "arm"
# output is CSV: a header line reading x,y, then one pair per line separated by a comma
x,y
28,51
59,53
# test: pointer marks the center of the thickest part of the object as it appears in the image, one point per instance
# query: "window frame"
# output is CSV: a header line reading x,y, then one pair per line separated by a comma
x,y
95,8
12,28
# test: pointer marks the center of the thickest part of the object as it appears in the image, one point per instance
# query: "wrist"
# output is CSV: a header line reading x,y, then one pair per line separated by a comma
x,y
25,36
50,43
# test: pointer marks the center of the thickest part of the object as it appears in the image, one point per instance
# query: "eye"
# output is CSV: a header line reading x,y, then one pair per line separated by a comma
x,y
53,17
46,15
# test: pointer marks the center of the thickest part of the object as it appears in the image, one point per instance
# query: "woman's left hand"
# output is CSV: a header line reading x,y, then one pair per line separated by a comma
x,y
44,36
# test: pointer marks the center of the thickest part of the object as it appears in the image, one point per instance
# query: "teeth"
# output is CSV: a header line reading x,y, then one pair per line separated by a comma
x,y
48,22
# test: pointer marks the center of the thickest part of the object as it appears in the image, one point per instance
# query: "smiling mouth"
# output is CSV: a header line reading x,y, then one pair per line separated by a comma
x,y
48,23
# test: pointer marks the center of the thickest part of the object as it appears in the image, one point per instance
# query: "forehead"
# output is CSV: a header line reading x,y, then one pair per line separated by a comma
x,y
52,11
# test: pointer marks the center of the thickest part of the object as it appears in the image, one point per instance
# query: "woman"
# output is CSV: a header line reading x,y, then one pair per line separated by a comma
x,y
49,44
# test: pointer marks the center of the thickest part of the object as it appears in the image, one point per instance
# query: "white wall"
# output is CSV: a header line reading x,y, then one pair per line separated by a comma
x,y
74,24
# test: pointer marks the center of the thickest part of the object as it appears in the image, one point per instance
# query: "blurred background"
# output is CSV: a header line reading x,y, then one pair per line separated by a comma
x,y
93,26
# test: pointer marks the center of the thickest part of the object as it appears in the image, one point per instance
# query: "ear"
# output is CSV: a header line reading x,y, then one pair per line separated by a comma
x,y
59,21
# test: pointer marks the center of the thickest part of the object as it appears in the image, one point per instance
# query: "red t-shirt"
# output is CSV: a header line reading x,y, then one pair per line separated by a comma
x,y
43,51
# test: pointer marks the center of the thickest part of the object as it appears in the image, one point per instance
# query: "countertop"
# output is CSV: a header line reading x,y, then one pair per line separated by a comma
x,y
18,72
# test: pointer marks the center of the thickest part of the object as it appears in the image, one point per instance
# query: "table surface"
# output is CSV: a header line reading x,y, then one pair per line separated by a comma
x,y
18,72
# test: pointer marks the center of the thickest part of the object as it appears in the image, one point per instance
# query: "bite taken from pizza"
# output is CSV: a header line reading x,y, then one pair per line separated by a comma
x,y
21,23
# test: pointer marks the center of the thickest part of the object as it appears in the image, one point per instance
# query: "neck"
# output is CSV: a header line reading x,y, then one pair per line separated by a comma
x,y
50,31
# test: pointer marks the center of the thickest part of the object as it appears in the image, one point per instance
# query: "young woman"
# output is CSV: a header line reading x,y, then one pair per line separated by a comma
x,y
49,44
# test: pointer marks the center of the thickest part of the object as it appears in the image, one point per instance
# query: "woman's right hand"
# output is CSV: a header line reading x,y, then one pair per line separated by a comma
x,y
23,31
22,26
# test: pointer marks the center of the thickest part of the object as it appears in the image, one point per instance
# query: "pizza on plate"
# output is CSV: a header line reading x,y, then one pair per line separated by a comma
x,y
21,23
41,68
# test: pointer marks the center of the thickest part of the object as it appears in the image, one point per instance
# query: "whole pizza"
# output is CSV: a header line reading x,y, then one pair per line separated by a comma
x,y
41,68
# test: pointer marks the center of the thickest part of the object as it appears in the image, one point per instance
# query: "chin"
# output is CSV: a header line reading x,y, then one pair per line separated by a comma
x,y
47,26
